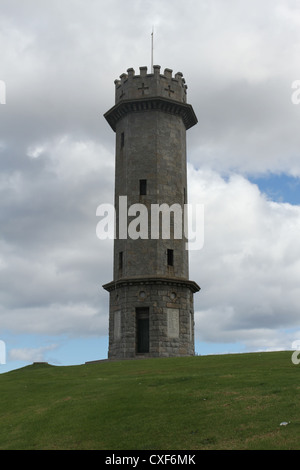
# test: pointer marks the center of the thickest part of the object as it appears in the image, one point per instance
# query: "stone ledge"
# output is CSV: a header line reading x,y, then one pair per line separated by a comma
x,y
185,111
193,286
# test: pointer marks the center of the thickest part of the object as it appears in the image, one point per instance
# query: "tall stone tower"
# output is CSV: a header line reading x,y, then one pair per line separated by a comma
x,y
151,296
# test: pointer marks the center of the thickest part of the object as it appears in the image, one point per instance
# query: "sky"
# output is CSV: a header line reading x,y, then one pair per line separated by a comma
x,y
59,60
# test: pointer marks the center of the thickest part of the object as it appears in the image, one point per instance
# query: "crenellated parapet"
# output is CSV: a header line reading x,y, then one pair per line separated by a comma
x,y
131,86
151,91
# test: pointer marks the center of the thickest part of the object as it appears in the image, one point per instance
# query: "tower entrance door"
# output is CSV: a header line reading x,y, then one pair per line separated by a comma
x,y
142,330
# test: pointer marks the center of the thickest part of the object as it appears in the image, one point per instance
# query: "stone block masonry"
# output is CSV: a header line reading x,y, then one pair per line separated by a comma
x,y
151,296
171,317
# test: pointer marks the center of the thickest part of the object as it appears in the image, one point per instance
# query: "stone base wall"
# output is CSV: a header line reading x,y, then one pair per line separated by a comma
x,y
171,318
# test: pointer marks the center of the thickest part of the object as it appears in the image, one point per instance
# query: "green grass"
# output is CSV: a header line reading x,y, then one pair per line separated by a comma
x,y
206,402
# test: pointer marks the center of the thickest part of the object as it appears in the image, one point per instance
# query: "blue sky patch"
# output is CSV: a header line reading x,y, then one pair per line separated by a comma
x,y
279,187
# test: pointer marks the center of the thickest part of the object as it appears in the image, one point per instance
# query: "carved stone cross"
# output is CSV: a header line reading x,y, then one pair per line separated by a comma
x,y
169,90
143,88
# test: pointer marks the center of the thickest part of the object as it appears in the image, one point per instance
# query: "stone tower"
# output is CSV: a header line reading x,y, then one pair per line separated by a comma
x,y
151,296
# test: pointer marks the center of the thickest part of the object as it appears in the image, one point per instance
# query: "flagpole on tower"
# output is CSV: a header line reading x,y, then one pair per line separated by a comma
x,y
152,47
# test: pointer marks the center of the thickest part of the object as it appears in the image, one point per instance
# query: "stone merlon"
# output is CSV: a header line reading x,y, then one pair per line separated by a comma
x,y
154,91
131,86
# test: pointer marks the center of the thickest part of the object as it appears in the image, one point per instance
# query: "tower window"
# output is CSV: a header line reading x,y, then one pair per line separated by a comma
x,y
142,330
121,260
170,255
143,187
122,139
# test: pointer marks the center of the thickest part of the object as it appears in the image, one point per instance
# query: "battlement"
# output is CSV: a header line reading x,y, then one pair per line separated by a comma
x,y
151,91
149,85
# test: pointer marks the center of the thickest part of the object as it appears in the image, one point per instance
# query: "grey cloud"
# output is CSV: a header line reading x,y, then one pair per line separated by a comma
x,y
59,63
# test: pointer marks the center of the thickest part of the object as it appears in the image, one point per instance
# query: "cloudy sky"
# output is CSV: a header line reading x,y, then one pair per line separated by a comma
x,y
59,60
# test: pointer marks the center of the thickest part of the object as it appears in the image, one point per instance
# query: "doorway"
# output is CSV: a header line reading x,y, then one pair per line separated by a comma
x,y
142,330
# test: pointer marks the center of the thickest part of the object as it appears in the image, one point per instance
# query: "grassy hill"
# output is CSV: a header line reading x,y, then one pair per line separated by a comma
x,y
205,402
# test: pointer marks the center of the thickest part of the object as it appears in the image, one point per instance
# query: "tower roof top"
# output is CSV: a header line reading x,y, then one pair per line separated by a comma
x,y
151,91
132,86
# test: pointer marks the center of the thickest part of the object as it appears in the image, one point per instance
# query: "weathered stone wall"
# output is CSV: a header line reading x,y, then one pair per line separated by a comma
x,y
171,319
155,150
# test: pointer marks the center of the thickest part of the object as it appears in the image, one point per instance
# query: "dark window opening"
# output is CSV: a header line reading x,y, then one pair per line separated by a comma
x,y
143,187
121,260
122,140
142,330
170,254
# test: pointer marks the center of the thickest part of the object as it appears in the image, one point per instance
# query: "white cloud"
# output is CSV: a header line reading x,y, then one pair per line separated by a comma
x,y
250,262
57,319
77,159
30,354
52,264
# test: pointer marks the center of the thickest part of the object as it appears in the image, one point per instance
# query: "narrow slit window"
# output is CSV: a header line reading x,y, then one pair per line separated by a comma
x,y
143,187
170,255
121,260
122,139
142,330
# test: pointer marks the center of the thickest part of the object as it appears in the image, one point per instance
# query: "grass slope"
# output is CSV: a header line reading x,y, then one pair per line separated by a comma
x,y
209,402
